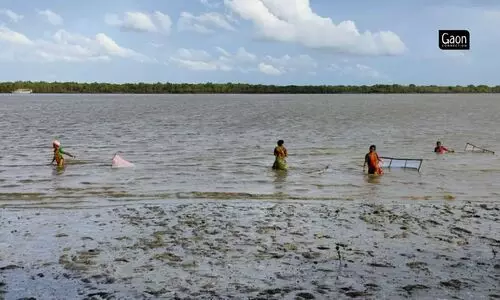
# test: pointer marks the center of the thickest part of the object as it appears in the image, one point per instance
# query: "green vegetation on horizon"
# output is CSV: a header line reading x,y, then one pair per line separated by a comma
x,y
234,88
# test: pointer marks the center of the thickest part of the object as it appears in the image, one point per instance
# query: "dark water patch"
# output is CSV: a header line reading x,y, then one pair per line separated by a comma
x,y
24,181
249,196
84,162
417,197
22,196
24,165
10,186
345,185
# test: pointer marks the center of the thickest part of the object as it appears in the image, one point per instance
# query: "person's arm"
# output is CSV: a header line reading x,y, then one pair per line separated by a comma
x,y
53,160
286,152
366,162
275,151
67,153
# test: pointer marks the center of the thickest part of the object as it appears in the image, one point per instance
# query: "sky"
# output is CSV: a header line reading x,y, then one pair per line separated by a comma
x,y
251,41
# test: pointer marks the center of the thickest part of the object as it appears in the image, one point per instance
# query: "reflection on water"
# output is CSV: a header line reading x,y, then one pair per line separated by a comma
x,y
221,146
373,179
279,178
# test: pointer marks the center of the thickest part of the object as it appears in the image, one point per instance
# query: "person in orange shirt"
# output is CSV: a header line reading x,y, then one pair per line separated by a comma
x,y
281,154
373,161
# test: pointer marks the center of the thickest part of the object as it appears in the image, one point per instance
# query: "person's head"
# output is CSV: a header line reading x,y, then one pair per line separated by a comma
x,y
373,148
280,143
438,143
56,144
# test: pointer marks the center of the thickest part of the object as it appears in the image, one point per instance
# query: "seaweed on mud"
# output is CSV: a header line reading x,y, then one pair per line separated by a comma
x,y
411,288
454,284
79,262
156,293
304,295
252,252
381,265
460,231
156,242
9,267
100,296
167,256
350,292
2,291
418,265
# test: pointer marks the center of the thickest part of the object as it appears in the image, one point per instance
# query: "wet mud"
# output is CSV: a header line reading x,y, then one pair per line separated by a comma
x,y
253,250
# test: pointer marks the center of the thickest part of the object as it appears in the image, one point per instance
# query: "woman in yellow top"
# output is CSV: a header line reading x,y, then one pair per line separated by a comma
x,y
58,154
281,154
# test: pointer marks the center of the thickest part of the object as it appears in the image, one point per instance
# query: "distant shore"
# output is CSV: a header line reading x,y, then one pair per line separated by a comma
x,y
235,88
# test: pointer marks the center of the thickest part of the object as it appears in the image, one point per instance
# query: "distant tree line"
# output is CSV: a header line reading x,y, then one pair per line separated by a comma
x,y
234,88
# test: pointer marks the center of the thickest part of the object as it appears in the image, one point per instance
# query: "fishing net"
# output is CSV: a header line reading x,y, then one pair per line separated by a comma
x,y
119,162
472,148
405,163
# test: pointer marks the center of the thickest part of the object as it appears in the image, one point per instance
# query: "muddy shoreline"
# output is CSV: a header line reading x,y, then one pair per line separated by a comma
x,y
253,250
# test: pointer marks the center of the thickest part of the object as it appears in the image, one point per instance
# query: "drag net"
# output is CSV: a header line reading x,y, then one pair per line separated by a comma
x,y
119,162
405,163
472,148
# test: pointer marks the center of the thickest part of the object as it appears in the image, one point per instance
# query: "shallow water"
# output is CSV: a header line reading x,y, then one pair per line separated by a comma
x,y
220,147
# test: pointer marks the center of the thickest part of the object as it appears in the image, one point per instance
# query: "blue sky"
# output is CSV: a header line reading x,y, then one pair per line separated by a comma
x,y
253,41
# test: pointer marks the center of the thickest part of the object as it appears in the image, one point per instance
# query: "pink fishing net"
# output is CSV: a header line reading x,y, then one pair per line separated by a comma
x,y
119,162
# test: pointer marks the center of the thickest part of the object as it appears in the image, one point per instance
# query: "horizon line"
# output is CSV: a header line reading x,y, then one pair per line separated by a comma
x,y
411,85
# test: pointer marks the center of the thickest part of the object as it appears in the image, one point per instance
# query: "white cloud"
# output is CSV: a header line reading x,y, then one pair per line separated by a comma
x,y
11,15
201,60
294,21
242,61
13,37
287,63
357,70
368,71
197,65
63,46
458,56
52,17
192,54
141,22
454,53
269,69
210,3
156,45
164,21
204,23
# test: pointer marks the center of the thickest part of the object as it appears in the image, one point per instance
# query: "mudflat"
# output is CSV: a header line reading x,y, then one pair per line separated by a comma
x,y
253,250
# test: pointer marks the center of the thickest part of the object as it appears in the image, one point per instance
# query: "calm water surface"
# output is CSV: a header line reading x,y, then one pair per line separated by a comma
x,y
210,146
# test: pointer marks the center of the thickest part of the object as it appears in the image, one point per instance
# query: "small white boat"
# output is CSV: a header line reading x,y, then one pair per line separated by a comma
x,y
22,91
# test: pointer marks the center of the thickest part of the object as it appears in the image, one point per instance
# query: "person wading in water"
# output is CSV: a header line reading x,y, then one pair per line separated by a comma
x,y
281,154
373,162
58,154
